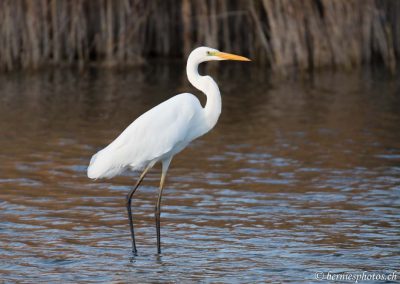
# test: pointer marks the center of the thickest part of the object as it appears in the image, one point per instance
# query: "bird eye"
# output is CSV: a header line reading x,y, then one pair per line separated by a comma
x,y
208,52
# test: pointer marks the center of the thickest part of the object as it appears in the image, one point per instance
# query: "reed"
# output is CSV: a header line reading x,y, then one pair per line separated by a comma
x,y
281,34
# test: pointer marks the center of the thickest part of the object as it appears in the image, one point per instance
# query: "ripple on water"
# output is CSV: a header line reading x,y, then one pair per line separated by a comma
x,y
287,186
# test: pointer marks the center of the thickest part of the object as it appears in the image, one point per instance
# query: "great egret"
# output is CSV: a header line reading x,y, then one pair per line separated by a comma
x,y
163,131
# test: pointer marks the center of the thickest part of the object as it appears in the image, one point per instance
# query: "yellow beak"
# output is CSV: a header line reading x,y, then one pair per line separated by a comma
x,y
229,56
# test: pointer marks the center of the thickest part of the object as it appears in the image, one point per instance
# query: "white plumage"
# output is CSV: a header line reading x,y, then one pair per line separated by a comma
x,y
157,134
163,131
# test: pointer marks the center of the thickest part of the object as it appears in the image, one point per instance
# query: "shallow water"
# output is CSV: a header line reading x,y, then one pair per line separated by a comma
x,y
298,176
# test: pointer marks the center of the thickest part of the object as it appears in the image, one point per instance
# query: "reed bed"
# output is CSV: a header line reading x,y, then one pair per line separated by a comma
x,y
280,34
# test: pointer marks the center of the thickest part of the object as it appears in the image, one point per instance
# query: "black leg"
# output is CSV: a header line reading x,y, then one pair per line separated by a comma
x,y
128,206
157,213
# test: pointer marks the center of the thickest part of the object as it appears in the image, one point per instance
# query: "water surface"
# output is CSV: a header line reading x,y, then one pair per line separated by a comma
x,y
298,176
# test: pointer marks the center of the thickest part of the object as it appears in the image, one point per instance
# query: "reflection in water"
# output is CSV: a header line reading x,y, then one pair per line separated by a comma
x,y
297,177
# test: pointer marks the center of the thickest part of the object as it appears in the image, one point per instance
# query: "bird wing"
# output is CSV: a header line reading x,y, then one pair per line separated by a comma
x,y
163,130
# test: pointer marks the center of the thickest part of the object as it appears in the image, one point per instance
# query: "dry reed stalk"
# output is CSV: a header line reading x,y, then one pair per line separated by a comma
x,y
280,34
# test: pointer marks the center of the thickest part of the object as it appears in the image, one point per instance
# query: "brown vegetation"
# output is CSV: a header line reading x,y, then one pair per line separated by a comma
x,y
278,33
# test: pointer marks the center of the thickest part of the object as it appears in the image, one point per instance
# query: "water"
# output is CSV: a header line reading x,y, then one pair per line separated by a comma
x,y
299,176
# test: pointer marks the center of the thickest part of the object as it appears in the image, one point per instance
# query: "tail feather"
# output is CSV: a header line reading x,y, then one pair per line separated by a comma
x,y
101,166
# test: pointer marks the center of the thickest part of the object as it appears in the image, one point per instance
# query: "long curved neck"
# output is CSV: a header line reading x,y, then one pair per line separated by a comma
x,y
207,85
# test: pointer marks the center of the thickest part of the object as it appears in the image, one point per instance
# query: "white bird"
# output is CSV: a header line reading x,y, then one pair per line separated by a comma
x,y
163,131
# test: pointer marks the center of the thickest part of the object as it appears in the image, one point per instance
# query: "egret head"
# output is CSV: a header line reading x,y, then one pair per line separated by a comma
x,y
202,54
